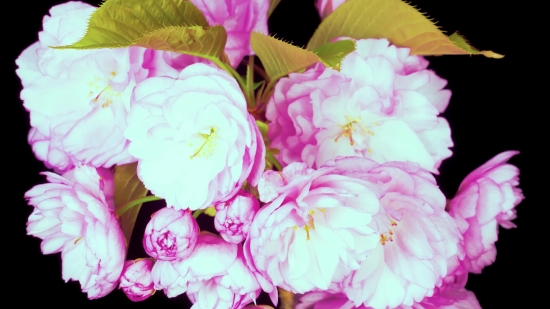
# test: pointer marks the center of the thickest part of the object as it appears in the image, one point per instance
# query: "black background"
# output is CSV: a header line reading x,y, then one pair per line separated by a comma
x,y
490,112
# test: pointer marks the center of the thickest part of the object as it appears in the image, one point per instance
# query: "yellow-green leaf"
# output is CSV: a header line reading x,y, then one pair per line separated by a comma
x,y
207,42
128,187
461,42
171,25
399,22
120,23
331,54
272,6
280,58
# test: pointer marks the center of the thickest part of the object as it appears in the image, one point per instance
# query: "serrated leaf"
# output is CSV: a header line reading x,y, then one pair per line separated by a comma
x,y
120,23
208,42
399,22
272,6
331,54
170,25
461,42
280,58
128,187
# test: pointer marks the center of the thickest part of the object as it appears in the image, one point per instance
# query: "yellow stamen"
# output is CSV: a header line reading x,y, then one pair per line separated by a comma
x,y
383,239
347,130
311,222
306,227
78,239
206,140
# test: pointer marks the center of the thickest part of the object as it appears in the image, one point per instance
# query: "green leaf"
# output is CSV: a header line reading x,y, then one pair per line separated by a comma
x,y
128,187
207,42
461,42
272,6
258,84
399,22
120,23
170,25
280,58
331,54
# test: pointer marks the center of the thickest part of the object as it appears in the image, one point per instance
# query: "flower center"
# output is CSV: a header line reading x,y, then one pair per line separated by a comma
x,y
309,225
106,92
208,145
354,125
385,237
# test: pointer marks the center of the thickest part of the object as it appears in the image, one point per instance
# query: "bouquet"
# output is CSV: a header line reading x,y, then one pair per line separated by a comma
x,y
316,164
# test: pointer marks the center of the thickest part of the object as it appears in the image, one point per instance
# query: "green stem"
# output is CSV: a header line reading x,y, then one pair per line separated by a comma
x,y
250,82
136,202
230,70
271,158
258,70
197,213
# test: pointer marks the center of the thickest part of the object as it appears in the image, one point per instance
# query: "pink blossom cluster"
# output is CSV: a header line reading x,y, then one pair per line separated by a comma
x,y
355,219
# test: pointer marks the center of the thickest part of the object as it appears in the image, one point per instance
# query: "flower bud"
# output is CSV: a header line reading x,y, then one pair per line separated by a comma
x,y
136,281
233,218
171,234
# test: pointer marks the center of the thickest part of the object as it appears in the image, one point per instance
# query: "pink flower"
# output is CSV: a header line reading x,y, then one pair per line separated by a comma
x,y
211,257
136,280
194,155
325,7
416,236
383,105
486,199
233,218
166,278
235,288
171,234
239,18
452,299
68,92
72,217
308,212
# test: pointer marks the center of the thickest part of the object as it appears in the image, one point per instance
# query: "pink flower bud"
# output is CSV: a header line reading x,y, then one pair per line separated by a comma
x,y
486,199
171,234
136,280
233,218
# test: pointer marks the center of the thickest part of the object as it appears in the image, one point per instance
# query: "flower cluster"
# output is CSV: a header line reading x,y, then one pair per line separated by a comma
x,y
354,218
